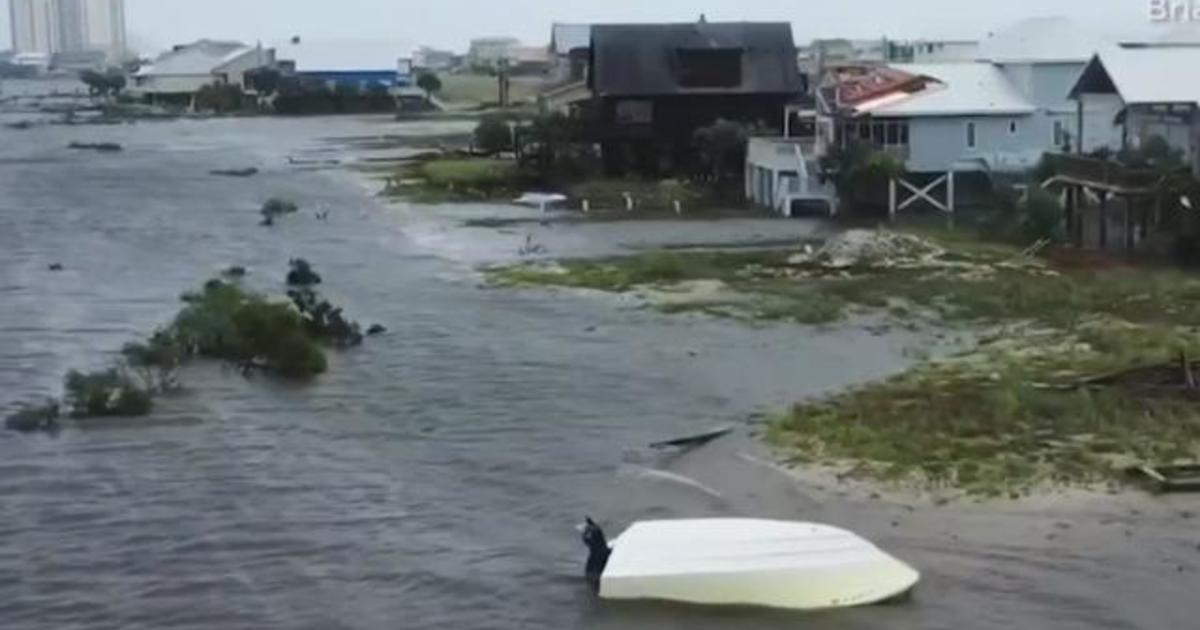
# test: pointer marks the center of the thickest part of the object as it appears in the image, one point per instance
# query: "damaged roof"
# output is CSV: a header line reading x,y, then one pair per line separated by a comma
x,y
957,89
640,59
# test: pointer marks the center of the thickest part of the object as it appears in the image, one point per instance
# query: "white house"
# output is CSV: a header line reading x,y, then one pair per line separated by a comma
x,y
1157,90
182,71
998,114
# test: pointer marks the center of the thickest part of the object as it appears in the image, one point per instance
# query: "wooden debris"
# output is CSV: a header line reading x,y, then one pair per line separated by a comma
x,y
693,441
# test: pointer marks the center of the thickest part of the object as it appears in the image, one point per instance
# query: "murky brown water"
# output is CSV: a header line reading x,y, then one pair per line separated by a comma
x,y
432,479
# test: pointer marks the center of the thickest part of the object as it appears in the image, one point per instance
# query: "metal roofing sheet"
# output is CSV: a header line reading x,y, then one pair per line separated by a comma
x,y
980,89
197,58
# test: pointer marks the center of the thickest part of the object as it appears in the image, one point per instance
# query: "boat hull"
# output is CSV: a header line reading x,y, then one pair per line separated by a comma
x,y
740,562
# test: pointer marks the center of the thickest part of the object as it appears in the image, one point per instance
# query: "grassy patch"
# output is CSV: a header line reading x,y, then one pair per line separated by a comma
x,y
648,195
477,89
1010,416
467,173
1026,407
441,180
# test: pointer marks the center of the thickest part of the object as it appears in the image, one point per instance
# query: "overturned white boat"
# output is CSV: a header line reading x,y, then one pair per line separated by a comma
x,y
745,562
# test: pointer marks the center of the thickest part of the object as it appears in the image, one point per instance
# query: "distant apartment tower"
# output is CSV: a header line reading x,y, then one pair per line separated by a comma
x,y
34,26
50,27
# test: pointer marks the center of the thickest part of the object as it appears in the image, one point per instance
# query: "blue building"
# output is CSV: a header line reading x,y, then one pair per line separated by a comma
x,y
361,63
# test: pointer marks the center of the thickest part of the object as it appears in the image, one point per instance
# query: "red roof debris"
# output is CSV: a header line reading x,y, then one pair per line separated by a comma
x,y
857,84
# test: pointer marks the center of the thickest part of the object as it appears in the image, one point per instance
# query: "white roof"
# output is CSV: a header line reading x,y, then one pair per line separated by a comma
x,y
1042,40
198,58
976,88
345,55
1155,74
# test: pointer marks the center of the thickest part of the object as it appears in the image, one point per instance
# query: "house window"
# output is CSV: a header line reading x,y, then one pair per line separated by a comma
x,y
1012,127
709,68
878,133
971,135
1060,133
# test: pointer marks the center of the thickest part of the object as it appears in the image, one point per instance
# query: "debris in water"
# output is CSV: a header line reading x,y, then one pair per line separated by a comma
x,y
1172,478
104,147
376,329
236,271
55,267
235,172
872,248
694,441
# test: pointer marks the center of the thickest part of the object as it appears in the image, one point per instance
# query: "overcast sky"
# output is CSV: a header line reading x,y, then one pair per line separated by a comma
x,y
156,24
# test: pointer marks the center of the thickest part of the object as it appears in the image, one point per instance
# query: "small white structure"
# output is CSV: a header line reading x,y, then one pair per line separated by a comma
x,y
1157,90
782,174
185,69
745,562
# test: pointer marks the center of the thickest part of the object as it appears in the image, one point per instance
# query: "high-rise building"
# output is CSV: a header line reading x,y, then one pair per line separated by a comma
x,y
34,26
69,26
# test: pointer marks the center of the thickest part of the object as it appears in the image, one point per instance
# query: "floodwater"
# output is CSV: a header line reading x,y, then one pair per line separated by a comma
x,y
433,478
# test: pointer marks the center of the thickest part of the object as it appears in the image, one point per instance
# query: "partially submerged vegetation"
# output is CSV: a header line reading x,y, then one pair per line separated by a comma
x,y
275,208
221,321
103,147
1077,372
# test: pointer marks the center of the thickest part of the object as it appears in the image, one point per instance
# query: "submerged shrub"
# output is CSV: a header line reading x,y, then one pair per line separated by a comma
x,y
227,322
33,418
324,321
301,273
274,208
104,394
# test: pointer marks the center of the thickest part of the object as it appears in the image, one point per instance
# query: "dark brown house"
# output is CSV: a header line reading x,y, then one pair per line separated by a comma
x,y
654,85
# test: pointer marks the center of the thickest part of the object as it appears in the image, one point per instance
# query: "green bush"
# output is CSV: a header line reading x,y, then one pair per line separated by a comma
x,y
104,394
493,135
301,273
860,174
220,98
1041,217
226,322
